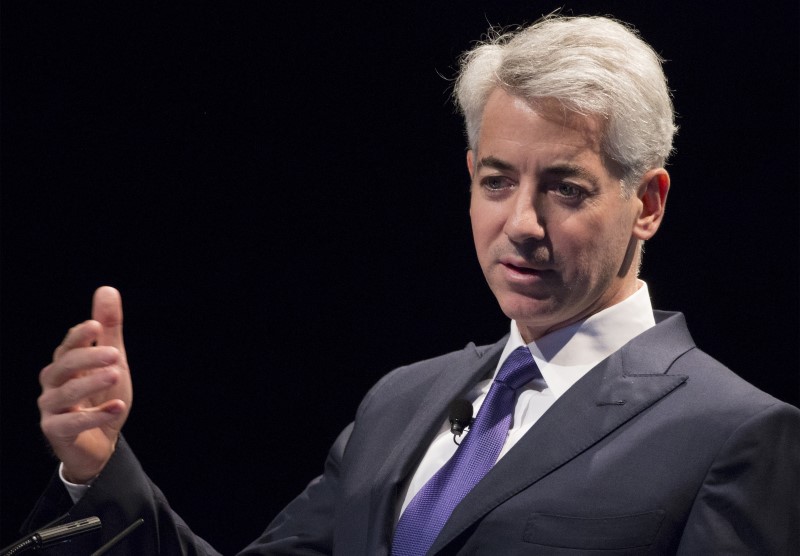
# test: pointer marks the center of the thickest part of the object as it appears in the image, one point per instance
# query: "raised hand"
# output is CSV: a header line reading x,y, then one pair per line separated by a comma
x,y
86,390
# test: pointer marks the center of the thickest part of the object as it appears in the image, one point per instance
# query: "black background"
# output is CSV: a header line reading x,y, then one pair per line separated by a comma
x,y
280,194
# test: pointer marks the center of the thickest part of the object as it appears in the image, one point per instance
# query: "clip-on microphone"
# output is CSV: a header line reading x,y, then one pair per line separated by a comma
x,y
460,416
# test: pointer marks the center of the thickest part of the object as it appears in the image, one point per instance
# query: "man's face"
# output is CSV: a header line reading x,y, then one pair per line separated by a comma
x,y
553,233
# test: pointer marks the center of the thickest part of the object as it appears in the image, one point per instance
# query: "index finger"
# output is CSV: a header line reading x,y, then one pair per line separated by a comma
x,y
107,310
81,335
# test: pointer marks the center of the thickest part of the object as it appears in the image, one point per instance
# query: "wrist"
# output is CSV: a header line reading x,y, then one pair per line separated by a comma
x,y
75,490
75,479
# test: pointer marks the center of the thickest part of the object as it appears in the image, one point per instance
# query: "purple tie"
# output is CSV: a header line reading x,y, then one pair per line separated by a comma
x,y
430,509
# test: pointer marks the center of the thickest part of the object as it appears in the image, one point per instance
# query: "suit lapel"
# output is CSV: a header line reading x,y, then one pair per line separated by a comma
x,y
453,381
615,391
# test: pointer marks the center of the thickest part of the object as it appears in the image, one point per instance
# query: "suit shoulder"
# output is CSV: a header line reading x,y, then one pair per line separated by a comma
x,y
418,376
718,387
425,369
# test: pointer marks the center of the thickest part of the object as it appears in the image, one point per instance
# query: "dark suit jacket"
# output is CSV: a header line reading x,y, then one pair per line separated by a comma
x,y
657,450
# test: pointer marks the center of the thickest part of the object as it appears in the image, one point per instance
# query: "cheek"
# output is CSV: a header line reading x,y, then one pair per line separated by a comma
x,y
583,249
486,224
596,254
483,244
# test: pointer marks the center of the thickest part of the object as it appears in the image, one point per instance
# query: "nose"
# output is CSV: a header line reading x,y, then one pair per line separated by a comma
x,y
524,220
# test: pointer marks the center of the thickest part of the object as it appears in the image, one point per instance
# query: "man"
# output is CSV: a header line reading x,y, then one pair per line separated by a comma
x,y
618,435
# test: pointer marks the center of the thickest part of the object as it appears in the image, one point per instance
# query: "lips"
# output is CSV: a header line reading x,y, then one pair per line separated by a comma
x,y
521,269
519,264
518,270
524,276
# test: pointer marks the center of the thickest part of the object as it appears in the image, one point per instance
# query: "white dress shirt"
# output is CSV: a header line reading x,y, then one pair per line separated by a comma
x,y
563,357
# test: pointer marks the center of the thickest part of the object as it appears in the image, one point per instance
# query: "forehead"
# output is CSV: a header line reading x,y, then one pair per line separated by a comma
x,y
511,121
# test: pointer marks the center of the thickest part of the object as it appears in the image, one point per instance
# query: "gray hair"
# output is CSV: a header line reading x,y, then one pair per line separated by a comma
x,y
594,66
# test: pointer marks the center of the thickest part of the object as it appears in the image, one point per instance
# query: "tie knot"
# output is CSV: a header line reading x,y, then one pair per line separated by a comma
x,y
518,369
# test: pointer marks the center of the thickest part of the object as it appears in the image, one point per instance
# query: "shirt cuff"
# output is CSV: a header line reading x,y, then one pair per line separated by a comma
x,y
75,491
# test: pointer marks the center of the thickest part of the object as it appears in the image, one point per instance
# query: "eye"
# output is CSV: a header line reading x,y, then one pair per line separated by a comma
x,y
569,191
496,183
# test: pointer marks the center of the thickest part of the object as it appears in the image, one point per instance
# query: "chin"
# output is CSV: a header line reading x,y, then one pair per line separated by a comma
x,y
524,309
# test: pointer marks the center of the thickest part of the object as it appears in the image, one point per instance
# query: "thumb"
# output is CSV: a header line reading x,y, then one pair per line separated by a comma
x,y
107,310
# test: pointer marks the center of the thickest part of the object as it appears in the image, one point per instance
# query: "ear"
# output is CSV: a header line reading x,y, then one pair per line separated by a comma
x,y
653,195
471,164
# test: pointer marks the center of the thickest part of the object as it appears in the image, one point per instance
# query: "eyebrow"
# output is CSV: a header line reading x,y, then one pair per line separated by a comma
x,y
571,170
496,163
564,170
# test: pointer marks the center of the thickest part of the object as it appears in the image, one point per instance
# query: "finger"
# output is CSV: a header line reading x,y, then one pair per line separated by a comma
x,y
76,361
65,426
107,310
80,335
68,396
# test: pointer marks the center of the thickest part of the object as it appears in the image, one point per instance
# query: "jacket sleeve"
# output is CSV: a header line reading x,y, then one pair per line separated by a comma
x,y
748,503
305,526
123,493
119,496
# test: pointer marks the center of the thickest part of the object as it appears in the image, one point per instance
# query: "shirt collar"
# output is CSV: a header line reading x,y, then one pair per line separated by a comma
x,y
566,354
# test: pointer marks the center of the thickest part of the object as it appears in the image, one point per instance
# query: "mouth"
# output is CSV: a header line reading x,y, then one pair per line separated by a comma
x,y
517,273
520,265
521,269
